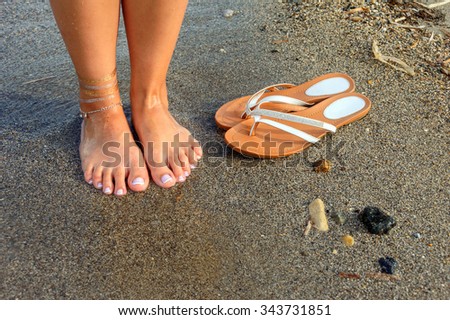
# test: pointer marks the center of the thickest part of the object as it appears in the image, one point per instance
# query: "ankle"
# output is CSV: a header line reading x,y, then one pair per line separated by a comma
x,y
154,97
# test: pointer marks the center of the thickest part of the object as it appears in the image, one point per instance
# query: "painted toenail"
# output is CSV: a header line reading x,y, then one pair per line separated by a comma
x,y
166,178
107,190
193,166
99,185
90,181
138,182
119,192
186,174
181,179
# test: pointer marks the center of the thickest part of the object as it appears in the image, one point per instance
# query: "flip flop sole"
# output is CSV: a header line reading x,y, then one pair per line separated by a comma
x,y
313,91
271,142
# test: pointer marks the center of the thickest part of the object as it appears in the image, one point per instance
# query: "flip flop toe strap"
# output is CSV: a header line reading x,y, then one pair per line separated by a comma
x,y
258,114
256,100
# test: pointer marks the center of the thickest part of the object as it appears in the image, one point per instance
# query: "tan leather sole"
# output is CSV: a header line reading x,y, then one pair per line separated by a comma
x,y
270,142
230,114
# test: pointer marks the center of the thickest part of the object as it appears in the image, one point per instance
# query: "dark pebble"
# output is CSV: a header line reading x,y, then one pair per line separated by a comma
x,y
388,265
417,235
376,221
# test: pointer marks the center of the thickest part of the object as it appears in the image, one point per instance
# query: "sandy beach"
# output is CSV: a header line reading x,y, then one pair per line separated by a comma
x,y
235,229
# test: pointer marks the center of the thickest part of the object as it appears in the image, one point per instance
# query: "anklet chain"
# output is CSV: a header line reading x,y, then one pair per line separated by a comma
x,y
85,114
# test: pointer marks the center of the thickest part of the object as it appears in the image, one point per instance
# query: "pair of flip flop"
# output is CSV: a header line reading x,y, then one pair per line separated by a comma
x,y
284,119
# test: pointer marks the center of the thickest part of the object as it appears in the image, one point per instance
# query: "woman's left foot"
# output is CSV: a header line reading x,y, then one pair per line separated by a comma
x,y
170,150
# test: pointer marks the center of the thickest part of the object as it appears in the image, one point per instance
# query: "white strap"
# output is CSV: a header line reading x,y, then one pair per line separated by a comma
x,y
301,134
254,100
293,118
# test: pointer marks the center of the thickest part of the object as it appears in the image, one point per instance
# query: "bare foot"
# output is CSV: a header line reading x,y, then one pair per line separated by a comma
x,y
169,149
109,155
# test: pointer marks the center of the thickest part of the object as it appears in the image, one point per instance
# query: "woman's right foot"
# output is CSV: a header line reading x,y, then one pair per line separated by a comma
x,y
110,158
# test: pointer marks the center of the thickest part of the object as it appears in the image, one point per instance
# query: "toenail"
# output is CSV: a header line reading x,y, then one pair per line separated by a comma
x,y
99,185
119,192
107,190
193,166
186,174
166,178
138,182
181,179
90,181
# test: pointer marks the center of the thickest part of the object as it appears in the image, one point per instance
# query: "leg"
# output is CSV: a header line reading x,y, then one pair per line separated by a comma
x,y
152,29
89,29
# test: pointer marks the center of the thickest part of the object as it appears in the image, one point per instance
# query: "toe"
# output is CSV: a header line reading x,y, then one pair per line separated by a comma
x,y
119,181
160,172
108,185
192,158
88,174
185,165
197,149
138,178
163,176
97,177
177,169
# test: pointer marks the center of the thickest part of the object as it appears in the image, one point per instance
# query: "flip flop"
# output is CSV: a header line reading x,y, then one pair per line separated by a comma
x,y
273,134
285,97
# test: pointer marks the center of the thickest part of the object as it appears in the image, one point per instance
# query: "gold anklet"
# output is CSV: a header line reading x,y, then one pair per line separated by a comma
x,y
95,81
88,101
84,114
99,93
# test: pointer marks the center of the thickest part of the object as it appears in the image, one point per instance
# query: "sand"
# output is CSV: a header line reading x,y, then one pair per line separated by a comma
x,y
234,230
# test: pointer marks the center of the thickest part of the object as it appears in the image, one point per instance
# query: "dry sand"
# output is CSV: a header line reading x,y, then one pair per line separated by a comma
x,y
234,230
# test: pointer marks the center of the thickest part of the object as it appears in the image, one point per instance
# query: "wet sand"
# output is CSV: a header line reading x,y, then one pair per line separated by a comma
x,y
234,230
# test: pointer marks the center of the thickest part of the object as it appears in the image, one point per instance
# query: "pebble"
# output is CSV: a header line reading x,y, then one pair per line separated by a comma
x,y
348,240
339,218
388,265
228,13
376,221
317,215
417,235
356,19
223,50
322,165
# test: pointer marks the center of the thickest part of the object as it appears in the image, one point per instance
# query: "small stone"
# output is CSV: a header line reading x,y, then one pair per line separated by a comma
x,y
322,165
334,251
228,13
376,221
388,265
348,240
339,218
317,215
223,51
370,82
417,235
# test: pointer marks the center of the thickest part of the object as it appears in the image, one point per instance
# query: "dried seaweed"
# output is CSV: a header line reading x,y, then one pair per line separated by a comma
x,y
395,63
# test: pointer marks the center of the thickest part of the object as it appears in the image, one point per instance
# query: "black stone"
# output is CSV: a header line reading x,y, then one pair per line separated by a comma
x,y
376,221
388,265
